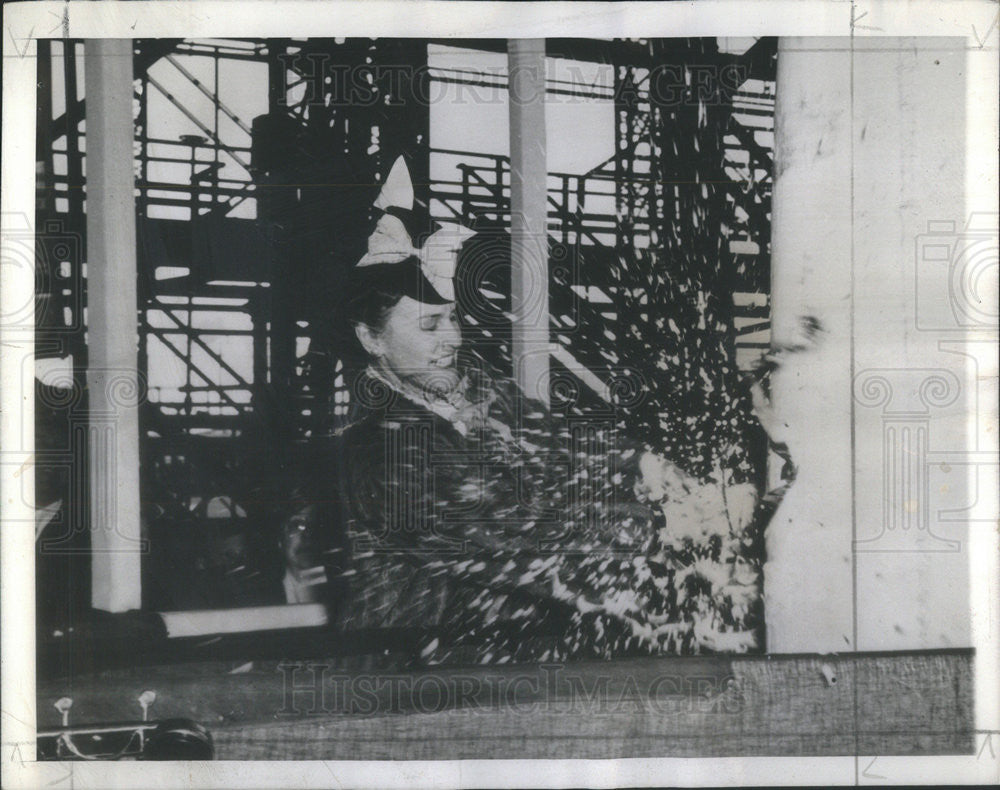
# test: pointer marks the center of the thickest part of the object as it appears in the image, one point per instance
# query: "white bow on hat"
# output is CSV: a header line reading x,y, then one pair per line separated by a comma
x,y
391,243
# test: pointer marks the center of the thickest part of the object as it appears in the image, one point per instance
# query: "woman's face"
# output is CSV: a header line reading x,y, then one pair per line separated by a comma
x,y
418,343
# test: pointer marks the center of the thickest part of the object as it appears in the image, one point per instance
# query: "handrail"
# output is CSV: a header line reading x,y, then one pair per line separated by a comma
x,y
569,221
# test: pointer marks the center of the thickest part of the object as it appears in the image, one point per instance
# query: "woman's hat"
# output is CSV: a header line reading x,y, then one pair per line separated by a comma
x,y
394,264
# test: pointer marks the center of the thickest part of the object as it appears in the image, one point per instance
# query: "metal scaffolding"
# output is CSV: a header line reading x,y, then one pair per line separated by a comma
x,y
247,225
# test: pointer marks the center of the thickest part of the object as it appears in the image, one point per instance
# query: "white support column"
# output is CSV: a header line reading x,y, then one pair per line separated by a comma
x,y
528,219
112,375
869,549
808,578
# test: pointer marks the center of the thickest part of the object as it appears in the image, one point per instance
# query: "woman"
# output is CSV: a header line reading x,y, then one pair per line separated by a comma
x,y
472,512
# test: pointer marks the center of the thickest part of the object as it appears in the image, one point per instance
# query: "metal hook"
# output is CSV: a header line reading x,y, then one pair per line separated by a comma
x,y
146,699
63,704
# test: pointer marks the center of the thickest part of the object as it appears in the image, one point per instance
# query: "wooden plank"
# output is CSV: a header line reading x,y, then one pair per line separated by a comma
x,y
900,703
250,618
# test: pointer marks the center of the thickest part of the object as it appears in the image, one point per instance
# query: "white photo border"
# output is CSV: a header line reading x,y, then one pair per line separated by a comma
x,y
24,23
